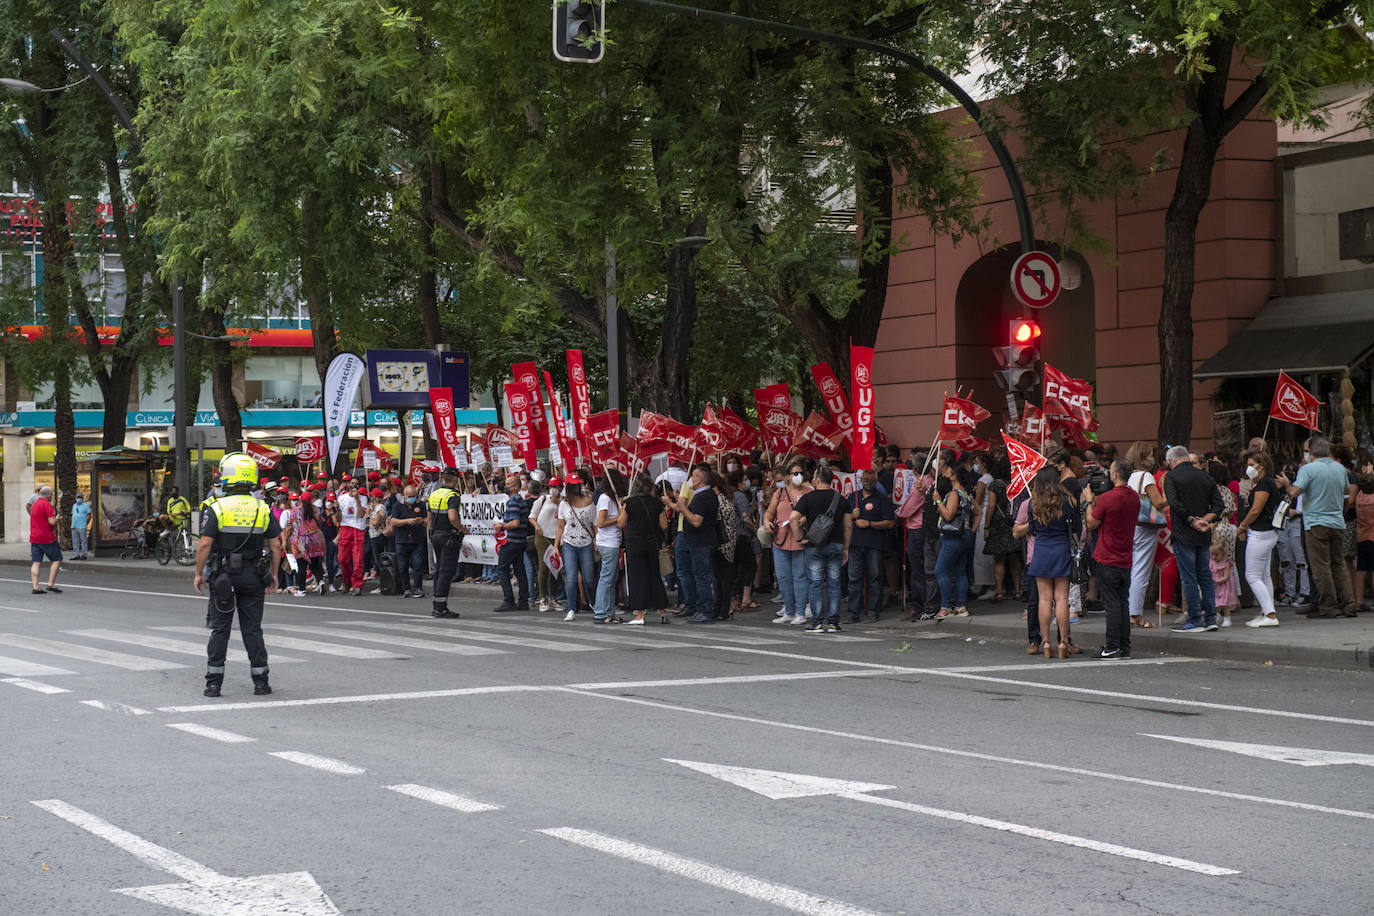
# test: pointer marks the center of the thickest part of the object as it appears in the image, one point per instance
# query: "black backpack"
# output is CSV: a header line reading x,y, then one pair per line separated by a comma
x,y
820,531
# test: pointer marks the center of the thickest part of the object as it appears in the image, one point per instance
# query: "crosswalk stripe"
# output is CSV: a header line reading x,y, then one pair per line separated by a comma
x,y
16,667
118,708
214,734
36,686
463,630
634,636
388,639
308,645
87,653
181,647
315,761
446,799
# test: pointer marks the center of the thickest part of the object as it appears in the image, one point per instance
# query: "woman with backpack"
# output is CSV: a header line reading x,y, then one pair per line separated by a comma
x,y
956,537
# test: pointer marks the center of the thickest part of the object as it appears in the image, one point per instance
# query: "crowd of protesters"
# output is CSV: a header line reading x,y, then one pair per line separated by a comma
x,y
706,542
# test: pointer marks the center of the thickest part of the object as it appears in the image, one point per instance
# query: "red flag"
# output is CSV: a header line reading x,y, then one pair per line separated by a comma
x,y
416,476
1293,403
1068,397
526,374
604,431
567,449
960,414
740,435
309,449
445,424
1032,423
680,437
499,436
710,434
861,440
965,442
580,397
521,420
818,437
1025,461
266,456
835,401
881,434
365,447
777,422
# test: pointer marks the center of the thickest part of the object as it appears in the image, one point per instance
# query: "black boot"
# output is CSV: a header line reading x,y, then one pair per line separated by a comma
x,y
441,610
260,686
212,684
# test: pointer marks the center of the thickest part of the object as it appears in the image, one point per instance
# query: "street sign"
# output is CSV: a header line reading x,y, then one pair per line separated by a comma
x,y
1035,279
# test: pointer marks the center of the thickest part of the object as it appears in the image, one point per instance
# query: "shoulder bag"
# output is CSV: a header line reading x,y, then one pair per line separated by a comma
x,y
818,533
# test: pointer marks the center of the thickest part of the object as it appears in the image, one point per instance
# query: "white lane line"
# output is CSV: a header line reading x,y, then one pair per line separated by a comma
x,y
34,685
307,645
990,758
316,762
387,639
1064,839
461,631
1065,688
21,668
735,679
162,643
365,698
1092,663
779,895
633,636
165,859
26,610
214,734
87,653
445,799
117,708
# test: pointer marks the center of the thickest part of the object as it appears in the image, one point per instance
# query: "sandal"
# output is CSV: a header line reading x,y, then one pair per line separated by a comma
x,y
751,606
615,619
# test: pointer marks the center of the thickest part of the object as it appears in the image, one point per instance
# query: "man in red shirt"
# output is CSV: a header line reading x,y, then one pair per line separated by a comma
x,y
1113,515
43,540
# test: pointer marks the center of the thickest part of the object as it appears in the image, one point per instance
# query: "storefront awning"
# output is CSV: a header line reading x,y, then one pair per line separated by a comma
x,y
1324,332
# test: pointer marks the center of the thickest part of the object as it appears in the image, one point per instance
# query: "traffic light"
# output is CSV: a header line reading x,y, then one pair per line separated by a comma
x,y
1018,372
578,26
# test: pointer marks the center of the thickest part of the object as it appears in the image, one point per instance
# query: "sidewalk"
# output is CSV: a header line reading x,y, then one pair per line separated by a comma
x,y
1345,643
19,554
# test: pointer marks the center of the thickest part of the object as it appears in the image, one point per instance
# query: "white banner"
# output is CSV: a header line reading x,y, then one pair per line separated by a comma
x,y
341,382
481,512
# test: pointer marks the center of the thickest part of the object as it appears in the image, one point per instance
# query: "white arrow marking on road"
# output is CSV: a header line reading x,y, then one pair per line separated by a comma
x,y
207,892
773,784
1302,756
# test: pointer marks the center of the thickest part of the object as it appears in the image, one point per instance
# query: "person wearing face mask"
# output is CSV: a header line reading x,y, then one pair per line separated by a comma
x,y
407,527
872,516
789,557
81,527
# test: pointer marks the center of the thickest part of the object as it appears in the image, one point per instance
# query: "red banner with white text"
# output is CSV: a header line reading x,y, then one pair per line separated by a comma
x,y
863,435
266,456
445,424
832,392
521,420
581,401
528,375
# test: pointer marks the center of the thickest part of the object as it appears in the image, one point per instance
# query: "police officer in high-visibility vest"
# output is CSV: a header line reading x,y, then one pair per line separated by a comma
x,y
446,534
240,539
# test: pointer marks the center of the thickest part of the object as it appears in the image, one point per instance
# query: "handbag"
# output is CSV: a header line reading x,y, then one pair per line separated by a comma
x,y
665,561
1280,520
819,531
957,524
1081,571
1149,516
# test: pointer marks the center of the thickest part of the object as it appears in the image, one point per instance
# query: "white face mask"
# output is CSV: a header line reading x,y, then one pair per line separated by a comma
x,y
732,467
796,480
976,468
1252,472
1306,457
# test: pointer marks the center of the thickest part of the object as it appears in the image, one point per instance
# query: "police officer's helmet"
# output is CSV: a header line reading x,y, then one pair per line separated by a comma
x,y
238,469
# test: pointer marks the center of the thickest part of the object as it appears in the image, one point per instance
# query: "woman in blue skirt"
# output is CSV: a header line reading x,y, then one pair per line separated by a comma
x,y
1054,520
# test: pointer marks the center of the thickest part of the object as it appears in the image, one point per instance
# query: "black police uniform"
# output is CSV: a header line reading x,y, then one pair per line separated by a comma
x,y
447,545
238,576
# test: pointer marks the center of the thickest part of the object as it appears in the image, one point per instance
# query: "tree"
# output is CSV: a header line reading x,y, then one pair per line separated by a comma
x,y
1083,73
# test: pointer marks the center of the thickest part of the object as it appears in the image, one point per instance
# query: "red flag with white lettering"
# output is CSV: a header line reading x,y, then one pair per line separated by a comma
x,y
528,375
604,431
580,396
959,418
445,424
567,446
862,435
266,456
1025,461
681,438
1070,398
740,435
833,394
1293,403
777,423
711,434
818,438
522,424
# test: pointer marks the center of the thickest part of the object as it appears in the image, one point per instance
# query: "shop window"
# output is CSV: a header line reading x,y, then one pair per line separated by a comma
x,y
279,382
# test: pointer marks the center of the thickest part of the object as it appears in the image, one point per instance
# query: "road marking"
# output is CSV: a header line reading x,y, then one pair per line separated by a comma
x,y
309,645
1064,688
21,668
315,761
180,596
26,610
989,758
460,631
446,799
162,643
214,734
633,637
118,708
365,698
87,653
776,785
207,891
1076,666
387,639
779,895
1302,756
35,685
735,679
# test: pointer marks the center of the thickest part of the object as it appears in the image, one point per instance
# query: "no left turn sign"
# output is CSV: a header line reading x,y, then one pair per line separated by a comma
x,y
1035,279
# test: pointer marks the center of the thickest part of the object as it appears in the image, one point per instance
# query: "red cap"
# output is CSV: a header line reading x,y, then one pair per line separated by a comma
x,y
283,480
322,476
572,479
295,497
376,492
374,476
329,495
555,481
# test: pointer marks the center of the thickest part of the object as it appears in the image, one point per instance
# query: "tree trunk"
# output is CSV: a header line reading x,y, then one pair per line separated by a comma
x,y
671,362
222,377
315,285
429,279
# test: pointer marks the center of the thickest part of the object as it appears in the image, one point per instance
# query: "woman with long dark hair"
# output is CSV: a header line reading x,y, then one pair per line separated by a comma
x,y
956,537
1054,520
576,524
643,520
305,538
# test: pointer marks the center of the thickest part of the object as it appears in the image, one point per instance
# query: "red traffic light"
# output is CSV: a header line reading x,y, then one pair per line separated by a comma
x,y
1024,332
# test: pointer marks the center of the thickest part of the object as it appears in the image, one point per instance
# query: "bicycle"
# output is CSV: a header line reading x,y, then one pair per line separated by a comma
x,y
175,544
133,544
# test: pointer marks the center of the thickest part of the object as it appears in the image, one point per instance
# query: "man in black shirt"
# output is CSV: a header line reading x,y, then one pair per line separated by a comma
x,y
408,528
824,558
1195,504
696,541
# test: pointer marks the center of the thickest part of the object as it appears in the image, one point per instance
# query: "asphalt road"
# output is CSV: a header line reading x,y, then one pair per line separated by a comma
x,y
516,764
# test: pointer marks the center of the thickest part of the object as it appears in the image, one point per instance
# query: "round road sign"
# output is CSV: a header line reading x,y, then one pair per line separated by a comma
x,y
1035,279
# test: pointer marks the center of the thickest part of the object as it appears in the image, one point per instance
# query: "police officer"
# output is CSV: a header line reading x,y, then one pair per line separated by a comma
x,y
446,534
241,541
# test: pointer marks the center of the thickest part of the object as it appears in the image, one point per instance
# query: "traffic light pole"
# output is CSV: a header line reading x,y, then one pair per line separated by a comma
x,y
999,149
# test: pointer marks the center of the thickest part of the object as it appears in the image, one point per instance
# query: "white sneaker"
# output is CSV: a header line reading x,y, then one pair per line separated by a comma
x,y
777,599
543,605
637,622
799,618
571,615
1225,622
1263,620
782,618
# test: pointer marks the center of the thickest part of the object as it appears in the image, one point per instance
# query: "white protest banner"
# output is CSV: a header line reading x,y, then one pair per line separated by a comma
x,y
480,513
503,456
341,382
903,482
